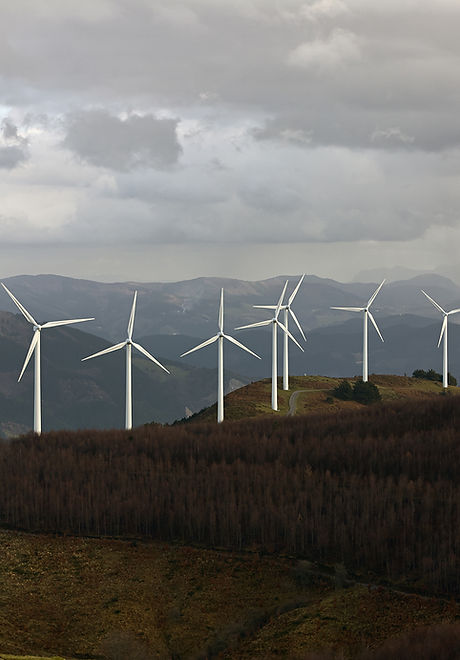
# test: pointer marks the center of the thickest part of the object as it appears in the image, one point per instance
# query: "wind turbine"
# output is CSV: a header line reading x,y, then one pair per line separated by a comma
x,y
367,313
220,356
274,322
287,310
129,343
35,346
445,372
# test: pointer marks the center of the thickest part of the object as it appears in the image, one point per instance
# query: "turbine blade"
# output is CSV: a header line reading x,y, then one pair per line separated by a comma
x,y
351,309
453,311
280,301
296,321
255,325
131,316
433,302
284,329
205,343
150,357
33,343
294,293
221,311
21,308
116,347
237,343
374,295
375,325
443,329
265,306
55,324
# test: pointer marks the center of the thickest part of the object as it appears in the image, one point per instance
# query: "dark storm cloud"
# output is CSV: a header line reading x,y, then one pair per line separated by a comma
x,y
123,144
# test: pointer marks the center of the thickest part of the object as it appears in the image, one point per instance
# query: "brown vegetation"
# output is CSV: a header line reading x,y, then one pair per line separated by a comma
x,y
376,489
110,599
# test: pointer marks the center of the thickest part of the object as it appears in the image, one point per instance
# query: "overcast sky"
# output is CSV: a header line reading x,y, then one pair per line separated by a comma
x,y
168,139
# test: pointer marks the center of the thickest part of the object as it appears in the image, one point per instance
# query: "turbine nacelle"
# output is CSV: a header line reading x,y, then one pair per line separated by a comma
x,y
274,320
443,312
367,314
219,337
366,309
35,346
287,306
124,344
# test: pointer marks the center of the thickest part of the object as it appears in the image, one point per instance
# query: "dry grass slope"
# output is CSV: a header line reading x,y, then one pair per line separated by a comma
x,y
114,599
316,396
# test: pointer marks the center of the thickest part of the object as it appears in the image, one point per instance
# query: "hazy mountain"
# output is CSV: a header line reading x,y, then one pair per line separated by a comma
x,y
336,350
91,394
190,307
173,317
393,274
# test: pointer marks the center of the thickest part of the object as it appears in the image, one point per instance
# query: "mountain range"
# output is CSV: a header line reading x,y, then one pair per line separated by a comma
x,y
173,317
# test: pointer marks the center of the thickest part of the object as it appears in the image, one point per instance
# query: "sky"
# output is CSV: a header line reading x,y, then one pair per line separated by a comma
x,y
161,140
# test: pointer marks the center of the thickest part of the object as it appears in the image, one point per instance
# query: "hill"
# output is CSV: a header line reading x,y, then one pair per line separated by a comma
x,y
138,600
278,484
274,536
314,394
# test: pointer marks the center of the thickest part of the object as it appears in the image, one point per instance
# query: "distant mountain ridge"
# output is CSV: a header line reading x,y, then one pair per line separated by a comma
x,y
190,307
174,317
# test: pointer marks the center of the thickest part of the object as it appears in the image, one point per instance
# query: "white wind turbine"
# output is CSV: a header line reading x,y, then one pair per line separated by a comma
x,y
129,343
367,314
35,346
274,322
445,372
220,356
287,311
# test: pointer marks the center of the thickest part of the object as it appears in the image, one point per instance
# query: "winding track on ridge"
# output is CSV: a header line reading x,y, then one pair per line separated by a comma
x,y
295,395
293,401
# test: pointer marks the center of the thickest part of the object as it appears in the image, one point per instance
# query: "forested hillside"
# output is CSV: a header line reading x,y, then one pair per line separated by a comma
x,y
376,489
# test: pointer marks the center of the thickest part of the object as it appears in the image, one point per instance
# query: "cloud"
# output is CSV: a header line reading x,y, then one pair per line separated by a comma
x,y
327,55
321,9
13,146
234,122
102,139
392,134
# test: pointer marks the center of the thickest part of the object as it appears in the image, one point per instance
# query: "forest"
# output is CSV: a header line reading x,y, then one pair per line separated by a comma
x,y
375,489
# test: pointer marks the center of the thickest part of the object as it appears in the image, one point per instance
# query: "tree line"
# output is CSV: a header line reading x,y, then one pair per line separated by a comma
x,y
375,489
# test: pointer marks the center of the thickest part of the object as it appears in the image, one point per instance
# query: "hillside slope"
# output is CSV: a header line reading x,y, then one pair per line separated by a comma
x,y
314,394
90,598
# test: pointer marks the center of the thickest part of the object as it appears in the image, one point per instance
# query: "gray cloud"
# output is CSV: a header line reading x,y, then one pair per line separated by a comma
x,y
309,121
11,157
123,144
13,146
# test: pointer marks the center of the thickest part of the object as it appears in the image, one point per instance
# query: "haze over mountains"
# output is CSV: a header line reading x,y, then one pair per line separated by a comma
x,y
173,317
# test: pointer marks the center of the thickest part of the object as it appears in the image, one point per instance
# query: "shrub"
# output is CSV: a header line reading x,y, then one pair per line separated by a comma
x,y
343,391
433,375
366,392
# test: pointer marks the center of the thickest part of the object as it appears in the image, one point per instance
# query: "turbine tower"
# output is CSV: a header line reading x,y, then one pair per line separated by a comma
x,y
445,372
274,322
220,356
129,343
287,311
367,313
35,346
